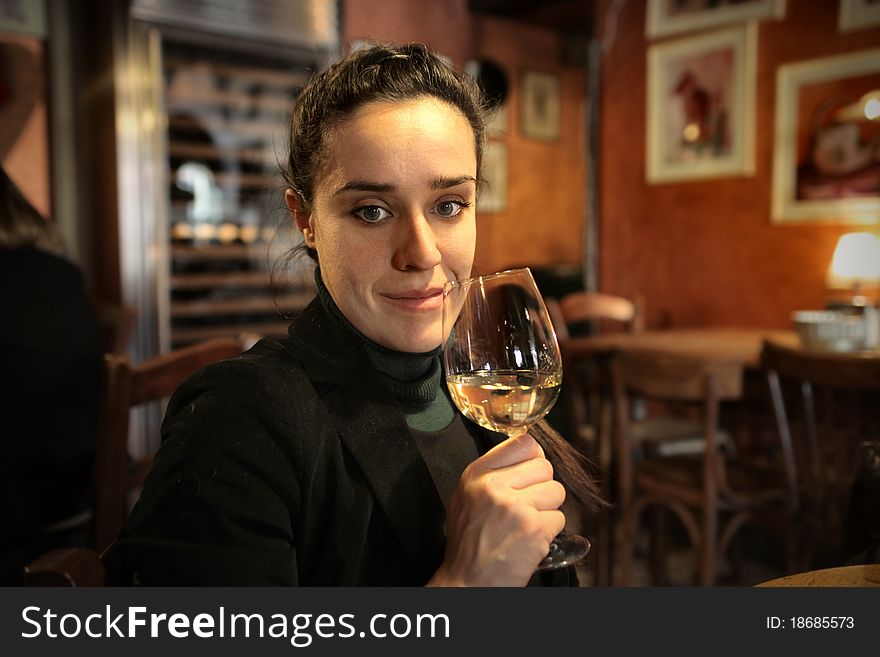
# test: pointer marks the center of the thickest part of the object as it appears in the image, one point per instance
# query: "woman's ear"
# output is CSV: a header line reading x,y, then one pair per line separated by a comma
x,y
301,216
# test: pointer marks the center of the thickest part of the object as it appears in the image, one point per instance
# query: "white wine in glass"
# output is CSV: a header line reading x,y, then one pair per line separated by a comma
x,y
503,365
506,401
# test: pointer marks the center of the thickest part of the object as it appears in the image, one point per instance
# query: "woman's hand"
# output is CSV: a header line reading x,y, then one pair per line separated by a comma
x,y
502,517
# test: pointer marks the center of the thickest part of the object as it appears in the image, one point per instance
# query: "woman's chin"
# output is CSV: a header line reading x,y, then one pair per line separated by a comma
x,y
413,343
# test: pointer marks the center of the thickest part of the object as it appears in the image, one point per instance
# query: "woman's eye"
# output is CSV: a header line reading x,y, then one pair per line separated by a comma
x,y
372,213
449,208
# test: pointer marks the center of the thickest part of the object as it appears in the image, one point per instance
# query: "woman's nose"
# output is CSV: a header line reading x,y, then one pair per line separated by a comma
x,y
417,249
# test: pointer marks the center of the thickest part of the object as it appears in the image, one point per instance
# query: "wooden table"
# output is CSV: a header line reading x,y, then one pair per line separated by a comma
x,y
847,576
740,345
737,345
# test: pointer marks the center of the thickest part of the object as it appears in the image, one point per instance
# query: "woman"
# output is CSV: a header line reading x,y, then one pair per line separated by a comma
x,y
50,368
327,458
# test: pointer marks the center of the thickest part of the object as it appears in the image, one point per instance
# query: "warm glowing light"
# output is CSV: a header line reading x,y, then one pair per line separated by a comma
x,y
248,234
182,231
856,260
227,232
691,132
205,231
866,107
148,120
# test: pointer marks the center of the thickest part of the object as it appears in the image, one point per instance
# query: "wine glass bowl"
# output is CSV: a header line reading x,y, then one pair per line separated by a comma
x,y
503,366
502,362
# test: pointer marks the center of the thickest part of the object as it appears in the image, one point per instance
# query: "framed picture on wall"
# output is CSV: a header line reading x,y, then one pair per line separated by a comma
x,y
540,105
701,104
858,15
665,17
826,156
493,194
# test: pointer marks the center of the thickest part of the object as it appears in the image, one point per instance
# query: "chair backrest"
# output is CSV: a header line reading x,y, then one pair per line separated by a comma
x,y
66,567
127,386
669,377
655,376
585,411
840,432
579,307
115,324
822,368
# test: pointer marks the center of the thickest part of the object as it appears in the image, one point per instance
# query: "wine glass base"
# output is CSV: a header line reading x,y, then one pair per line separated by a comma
x,y
565,550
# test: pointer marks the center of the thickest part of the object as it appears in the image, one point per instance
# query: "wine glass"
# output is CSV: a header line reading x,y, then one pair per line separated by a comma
x,y
503,366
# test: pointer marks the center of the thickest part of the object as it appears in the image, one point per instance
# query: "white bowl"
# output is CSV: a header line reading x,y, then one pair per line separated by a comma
x,y
825,330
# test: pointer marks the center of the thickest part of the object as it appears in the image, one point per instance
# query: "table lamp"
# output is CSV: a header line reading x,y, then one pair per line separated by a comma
x,y
855,266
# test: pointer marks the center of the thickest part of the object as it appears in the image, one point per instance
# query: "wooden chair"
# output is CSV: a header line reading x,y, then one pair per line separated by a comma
x,y
581,397
587,399
116,324
831,446
587,407
127,386
701,489
585,307
67,567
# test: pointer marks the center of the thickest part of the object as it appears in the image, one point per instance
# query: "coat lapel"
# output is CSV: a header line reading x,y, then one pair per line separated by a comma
x,y
373,428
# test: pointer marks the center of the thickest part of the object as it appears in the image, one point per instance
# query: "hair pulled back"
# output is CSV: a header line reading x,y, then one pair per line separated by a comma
x,y
373,74
21,224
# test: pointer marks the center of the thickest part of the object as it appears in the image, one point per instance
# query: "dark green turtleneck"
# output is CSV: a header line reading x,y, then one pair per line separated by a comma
x,y
446,441
413,379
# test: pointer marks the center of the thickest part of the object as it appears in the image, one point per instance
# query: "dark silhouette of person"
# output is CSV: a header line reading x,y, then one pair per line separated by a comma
x,y
50,369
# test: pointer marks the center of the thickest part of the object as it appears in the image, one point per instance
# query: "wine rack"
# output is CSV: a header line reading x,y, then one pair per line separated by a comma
x,y
229,231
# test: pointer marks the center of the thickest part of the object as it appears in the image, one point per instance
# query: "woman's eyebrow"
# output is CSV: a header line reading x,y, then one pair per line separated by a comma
x,y
364,186
368,186
452,181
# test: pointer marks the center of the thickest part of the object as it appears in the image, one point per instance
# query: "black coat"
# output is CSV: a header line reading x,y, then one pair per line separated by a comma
x,y
50,391
290,465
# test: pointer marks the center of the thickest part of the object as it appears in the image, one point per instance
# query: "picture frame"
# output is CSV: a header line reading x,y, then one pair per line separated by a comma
x,y
664,18
701,106
23,17
858,15
826,155
539,106
493,194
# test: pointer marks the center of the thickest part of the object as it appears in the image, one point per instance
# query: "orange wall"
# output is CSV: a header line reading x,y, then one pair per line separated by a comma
x,y
545,203
24,145
706,253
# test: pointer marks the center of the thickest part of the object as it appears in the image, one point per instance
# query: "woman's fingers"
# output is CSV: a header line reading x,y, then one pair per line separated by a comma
x,y
554,521
546,496
502,516
509,452
522,474
516,462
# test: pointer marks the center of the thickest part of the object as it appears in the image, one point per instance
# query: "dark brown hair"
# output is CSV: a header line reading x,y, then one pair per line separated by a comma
x,y
373,74
21,225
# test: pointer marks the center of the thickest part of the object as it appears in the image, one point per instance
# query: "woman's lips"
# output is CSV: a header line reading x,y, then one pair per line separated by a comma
x,y
417,300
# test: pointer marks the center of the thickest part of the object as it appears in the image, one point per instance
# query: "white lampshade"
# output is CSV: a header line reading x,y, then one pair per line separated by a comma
x,y
866,108
856,261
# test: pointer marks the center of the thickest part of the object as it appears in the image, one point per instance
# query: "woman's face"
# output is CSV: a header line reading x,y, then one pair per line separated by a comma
x,y
393,217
